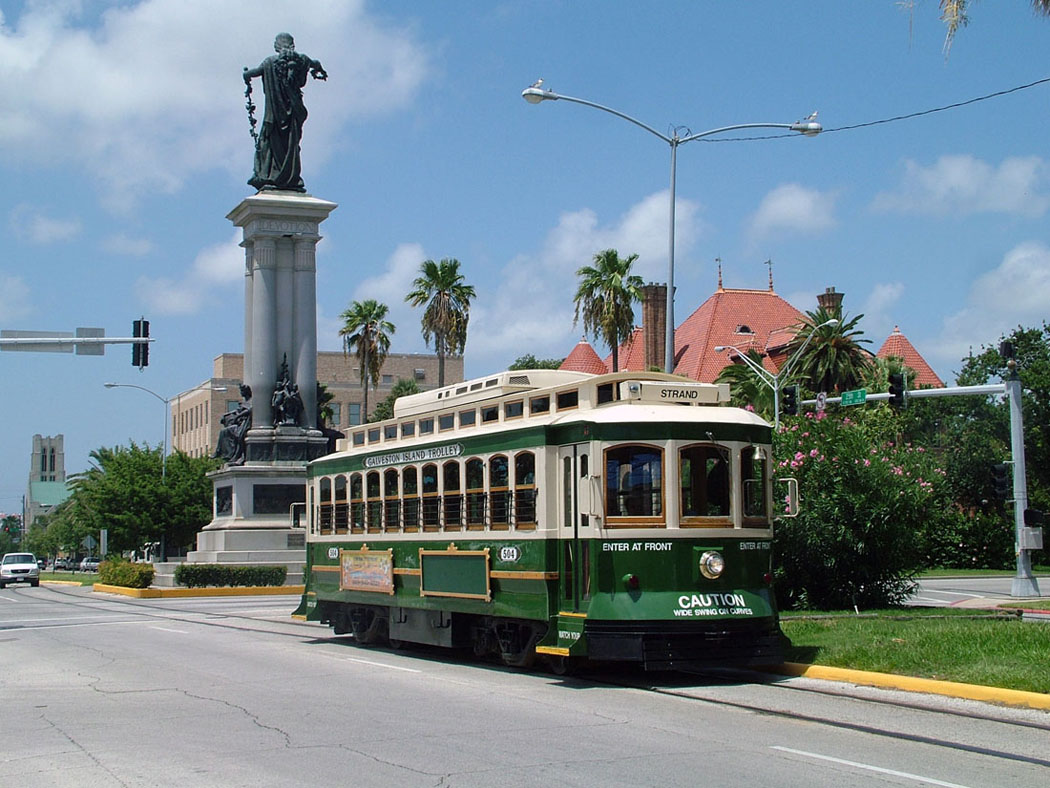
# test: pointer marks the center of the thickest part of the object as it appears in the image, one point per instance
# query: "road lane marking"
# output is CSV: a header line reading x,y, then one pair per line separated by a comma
x,y
369,662
870,768
165,629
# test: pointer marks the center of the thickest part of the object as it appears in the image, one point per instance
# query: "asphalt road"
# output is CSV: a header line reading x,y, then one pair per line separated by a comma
x,y
98,690
970,591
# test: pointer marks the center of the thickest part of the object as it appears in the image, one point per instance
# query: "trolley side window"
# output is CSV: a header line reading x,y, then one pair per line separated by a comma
x,y
634,486
374,505
475,494
357,504
342,508
431,500
525,491
753,472
410,488
391,500
499,493
453,497
326,505
704,485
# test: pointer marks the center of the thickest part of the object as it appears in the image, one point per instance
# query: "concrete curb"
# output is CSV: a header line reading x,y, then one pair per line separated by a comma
x,y
954,689
60,582
162,593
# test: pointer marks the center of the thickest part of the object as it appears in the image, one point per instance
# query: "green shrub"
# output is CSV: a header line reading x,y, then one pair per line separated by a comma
x,y
119,572
223,575
867,505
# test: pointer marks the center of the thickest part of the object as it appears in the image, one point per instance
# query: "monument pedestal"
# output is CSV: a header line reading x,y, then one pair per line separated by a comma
x,y
254,502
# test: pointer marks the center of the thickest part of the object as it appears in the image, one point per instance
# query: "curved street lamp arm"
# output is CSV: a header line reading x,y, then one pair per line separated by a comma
x,y
764,374
134,386
536,95
791,361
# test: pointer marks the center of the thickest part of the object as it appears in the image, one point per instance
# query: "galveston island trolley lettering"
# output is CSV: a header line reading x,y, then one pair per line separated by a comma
x,y
619,517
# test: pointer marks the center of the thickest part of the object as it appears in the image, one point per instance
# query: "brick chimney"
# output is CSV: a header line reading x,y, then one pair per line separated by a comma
x,y
654,324
830,300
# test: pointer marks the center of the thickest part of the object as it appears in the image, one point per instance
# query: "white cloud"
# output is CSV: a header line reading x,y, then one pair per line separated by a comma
x,y
125,245
878,311
126,101
208,280
1015,293
961,185
531,309
30,224
14,298
792,208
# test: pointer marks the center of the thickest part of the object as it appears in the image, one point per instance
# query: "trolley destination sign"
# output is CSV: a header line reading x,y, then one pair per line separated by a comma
x,y
415,455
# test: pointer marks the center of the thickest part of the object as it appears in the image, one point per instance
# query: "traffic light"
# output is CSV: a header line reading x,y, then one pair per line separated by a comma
x,y
897,389
140,350
1001,481
789,401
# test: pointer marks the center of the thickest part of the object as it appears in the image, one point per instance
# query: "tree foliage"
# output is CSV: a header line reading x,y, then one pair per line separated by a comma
x,y
604,299
385,409
747,389
529,361
833,359
955,15
445,295
127,491
867,503
366,333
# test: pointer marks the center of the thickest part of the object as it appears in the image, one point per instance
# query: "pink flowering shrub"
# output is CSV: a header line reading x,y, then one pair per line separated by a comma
x,y
866,507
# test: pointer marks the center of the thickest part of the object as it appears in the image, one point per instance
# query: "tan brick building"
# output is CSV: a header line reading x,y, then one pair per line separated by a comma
x,y
195,413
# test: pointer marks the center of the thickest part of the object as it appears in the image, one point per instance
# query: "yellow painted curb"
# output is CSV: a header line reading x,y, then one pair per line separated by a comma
x,y
955,689
61,582
162,593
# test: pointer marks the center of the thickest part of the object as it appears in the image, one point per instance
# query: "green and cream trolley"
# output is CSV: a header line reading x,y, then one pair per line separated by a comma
x,y
621,517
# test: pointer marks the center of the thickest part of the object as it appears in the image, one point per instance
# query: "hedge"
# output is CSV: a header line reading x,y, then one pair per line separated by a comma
x,y
118,572
200,575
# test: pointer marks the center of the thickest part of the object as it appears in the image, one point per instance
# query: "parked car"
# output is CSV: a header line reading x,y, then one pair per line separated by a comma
x,y
64,564
19,568
89,564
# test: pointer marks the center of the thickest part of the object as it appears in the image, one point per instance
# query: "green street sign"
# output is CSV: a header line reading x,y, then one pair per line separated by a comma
x,y
855,397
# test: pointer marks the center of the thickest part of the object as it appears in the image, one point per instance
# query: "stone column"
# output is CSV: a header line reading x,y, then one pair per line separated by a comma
x,y
264,330
304,332
280,240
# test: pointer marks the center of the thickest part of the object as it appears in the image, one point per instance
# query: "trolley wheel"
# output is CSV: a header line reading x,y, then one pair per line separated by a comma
x,y
367,627
561,666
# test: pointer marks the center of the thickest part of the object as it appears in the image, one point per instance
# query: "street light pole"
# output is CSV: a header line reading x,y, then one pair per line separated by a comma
x,y
167,402
808,127
767,377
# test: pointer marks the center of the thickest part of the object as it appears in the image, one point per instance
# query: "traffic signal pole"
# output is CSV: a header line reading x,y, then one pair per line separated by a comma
x,y
1024,583
1026,538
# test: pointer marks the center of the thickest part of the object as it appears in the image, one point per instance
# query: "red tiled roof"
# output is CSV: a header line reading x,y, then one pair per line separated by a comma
x,y
739,318
631,354
897,345
584,359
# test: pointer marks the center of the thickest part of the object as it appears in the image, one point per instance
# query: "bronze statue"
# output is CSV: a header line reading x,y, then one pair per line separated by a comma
x,y
277,162
287,402
235,425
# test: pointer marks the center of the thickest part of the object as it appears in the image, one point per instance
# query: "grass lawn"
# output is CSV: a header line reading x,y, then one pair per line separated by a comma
x,y
84,578
967,646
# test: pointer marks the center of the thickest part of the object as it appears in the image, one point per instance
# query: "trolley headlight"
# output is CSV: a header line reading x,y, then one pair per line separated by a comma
x,y
711,564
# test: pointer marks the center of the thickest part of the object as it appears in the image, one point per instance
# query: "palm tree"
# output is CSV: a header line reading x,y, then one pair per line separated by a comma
x,y
607,290
441,287
746,387
833,359
954,16
366,333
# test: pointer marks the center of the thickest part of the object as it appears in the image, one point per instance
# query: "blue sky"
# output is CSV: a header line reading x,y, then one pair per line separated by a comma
x,y
124,143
